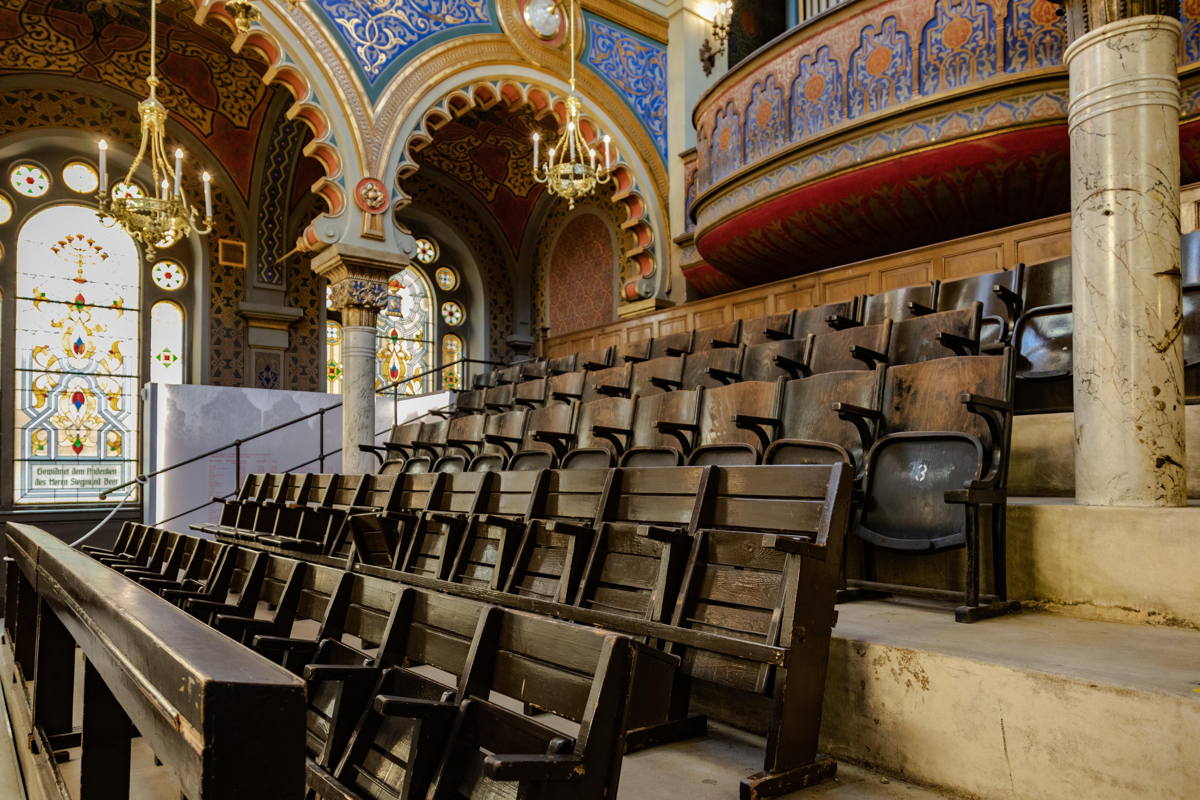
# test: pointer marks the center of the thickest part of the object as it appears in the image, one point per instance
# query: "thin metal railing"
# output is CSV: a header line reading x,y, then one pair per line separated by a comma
x,y
236,444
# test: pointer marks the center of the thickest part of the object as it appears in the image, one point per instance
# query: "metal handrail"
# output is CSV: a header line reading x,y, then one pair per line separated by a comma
x,y
236,444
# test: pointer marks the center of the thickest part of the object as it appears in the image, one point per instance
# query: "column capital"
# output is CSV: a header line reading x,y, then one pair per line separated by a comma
x,y
1084,16
358,277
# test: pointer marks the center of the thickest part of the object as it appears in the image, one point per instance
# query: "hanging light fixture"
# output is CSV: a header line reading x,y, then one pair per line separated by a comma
x,y
162,217
714,44
571,170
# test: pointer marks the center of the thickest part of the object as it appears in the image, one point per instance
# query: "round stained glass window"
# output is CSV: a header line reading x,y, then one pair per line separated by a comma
x,y
427,251
447,279
169,275
123,189
5,210
30,180
80,177
452,312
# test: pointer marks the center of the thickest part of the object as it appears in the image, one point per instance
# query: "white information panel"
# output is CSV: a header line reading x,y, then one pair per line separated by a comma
x,y
187,420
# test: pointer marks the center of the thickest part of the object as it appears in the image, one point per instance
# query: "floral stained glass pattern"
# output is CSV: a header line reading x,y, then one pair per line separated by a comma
x,y
6,209
404,333
166,342
427,251
333,357
77,342
80,177
168,275
452,313
452,351
123,189
447,279
29,180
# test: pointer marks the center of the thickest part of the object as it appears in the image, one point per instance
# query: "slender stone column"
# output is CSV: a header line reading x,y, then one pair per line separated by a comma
x,y
1128,348
358,278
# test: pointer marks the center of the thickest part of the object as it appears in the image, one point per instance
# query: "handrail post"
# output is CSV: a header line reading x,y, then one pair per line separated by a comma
x,y
321,440
237,465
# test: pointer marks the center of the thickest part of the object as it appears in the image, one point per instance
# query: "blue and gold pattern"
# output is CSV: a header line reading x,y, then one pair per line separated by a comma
x,y
1189,15
636,68
816,94
381,35
1034,35
768,114
726,145
880,72
958,46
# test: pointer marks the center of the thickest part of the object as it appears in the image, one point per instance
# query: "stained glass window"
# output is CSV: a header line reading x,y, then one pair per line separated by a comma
x,y
333,357
29,180
452,313
405,333
123,189
452,350
447,279
77,345
80,177
166,342
5,209
168,274
427,251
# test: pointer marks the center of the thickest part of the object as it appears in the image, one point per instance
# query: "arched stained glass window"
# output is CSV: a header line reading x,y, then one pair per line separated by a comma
x,y
405,333
452,350
166,342
77,344
333,357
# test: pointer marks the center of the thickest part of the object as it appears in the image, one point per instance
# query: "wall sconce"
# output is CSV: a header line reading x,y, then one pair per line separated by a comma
x,y
718,35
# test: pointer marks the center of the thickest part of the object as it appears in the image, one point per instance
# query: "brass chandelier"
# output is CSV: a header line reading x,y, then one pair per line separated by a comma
x,y
162,217
571,171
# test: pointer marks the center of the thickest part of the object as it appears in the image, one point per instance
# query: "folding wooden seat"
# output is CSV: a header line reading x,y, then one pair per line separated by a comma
x,y
469,401
898,304
554,546
706,368
259,515
434,434
602,431
672,344
816,425
937,335
508,374
822,319
381,538
437,532
611,382
499,398
998,292
215,586
493,533
399,444
462,440
310,592
770,361
1190,268
250,572
318,525
572,671
723,434
769,328
656,375
632,352
380,494
942,456
199,564
150,556
548,434
395,744
648,445
232,509
532,393
136,551
292,517
536,368
587,361
729,335
502,433
125,535
1041,340
170,566
636,560
862,347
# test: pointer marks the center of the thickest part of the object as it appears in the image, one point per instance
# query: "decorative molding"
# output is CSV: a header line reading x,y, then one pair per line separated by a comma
x,y
636,68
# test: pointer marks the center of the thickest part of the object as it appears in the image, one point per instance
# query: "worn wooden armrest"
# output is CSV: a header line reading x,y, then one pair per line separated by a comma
x,y
1011,300
374,449
340,672
569,528
662,533
199,604
395,514
859,417
553,436
592,366
242,625
983,401
751,421
532,767
993,348
508,523
677,352
566,397
666,384
722,343
838,322
793,367
447,517
286,644
679,430
610,430
724,375
868,356
977,492
609,390
496,438
961,345
776,334
800,545
918,309
394,706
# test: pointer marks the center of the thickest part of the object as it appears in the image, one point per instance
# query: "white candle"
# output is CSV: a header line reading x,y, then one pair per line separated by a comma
x,y
103,166
551,167
571,138
207,194
178,171
607,156
536,140
592,155
162,189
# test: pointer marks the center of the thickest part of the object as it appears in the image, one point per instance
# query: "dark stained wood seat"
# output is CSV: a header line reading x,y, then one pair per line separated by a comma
x,y
502,434
549,433
937,335
772,360
499,398
437,532
611,382
324,520
632,352
718,336
813,431
379,538
648,445
1042,340
1000,294
469,401
462,440
532,393
722,435
712,367
769,328
602,431
671,344
493,533
656,375
861,347
315,592
399,444
898,304
822,319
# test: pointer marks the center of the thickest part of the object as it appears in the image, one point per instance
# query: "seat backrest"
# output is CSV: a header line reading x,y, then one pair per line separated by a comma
x,y
537,453
512,494
531,393
469,401
1047,284
769,328
608,414
728,335
654,447
510,426
457,492
571,494
346,490
672,344
509,374
378,490
817,320
925,396
788,500
897,304
406,432
631,352
667,497
938,335
836,351
811,431
720,440
605,382
998,292
769,361
588,360
464,438
656,375
500,397
712,367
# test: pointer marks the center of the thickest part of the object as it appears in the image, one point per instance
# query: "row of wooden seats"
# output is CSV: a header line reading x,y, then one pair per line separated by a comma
x,y
720,565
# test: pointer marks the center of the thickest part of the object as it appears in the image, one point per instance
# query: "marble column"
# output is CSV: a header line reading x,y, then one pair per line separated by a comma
x,y
1128,349
358,278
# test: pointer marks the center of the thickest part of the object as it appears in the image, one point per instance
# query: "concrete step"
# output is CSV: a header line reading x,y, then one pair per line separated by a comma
x,y
1033,705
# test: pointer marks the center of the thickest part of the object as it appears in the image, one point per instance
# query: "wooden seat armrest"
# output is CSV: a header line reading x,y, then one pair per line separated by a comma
x,y
662,533
1012,301
340,672
752,421
960,345
559,441
608,390
633,359
394,515
776,335
508,523
859,417
996,413
222,500
201,605
155,584
792,367
676,352
593,366
983,401
569,528
394,706
976,493
724,375
498,406
532,767
496,438
994,348
678,430
799,545
394,447
838,322
871,358
718,344
447,517
608,431
307,648
374,449
918,309
666,384
439,412
566,397
230,622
